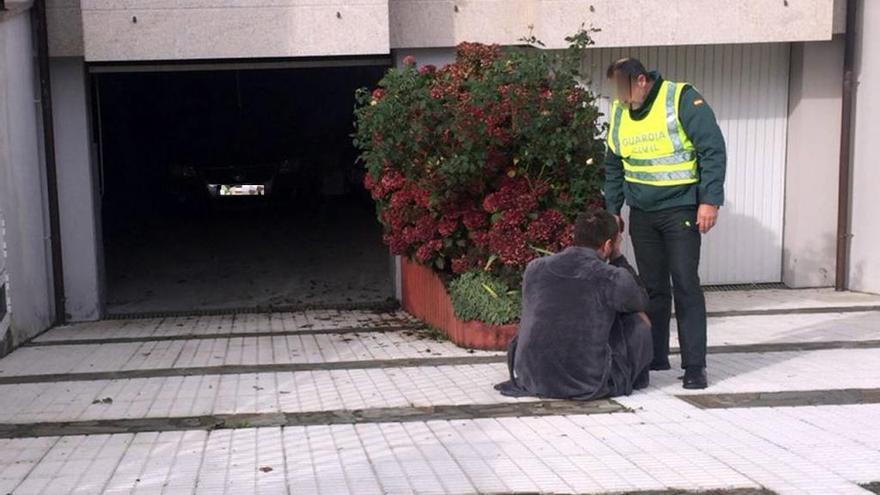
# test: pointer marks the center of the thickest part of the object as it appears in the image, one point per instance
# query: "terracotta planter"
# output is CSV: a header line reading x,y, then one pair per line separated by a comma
x,y
425,297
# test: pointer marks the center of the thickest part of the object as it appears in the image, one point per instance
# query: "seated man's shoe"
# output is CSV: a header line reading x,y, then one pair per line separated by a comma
x,y
695,377
642,381
510,389
660,365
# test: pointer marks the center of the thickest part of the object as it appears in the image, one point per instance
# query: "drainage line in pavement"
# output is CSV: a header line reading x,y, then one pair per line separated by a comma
x,y
389,329
251,368
791,398
387,363
394,306
338,417
794,311
402,328
873,487
233,335
790,346
671,491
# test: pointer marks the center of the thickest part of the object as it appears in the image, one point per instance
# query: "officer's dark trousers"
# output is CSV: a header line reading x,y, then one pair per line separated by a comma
x,y
667,245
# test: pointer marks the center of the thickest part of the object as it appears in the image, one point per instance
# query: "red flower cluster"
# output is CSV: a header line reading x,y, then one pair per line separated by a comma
x,y
521,227
508,223
514,195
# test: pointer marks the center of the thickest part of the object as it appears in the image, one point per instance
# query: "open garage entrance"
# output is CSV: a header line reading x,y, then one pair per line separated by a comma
x,y
236,188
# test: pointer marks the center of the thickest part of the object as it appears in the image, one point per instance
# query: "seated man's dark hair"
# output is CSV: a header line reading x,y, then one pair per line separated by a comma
x,y
593,227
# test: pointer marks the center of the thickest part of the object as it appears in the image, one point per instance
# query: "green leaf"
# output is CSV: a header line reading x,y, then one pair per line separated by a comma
x,y
489,262
490,290
542,251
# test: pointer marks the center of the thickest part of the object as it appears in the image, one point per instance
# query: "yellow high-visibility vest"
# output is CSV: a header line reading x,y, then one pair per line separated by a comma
x,y
655,150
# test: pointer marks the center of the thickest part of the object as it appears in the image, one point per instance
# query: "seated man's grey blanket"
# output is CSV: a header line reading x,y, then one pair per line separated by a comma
x,y
580,336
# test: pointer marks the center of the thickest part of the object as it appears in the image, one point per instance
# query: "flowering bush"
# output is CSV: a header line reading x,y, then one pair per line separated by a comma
x,y
482,164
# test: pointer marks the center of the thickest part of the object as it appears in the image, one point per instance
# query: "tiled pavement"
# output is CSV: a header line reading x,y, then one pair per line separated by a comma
x,y
225,325
238,351
785,299
426,386
659,441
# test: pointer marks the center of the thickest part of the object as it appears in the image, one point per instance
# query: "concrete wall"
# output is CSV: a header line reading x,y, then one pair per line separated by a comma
x,y
22,183
430,23
77,190
287,28
839,21
809,238
864,274
121,30
65,28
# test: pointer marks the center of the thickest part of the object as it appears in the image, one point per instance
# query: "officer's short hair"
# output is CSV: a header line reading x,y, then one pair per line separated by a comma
x,y
629,66
593,227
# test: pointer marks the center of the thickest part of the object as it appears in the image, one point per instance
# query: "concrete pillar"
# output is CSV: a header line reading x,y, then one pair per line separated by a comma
x,y
23,184
79,204
864,267
809,234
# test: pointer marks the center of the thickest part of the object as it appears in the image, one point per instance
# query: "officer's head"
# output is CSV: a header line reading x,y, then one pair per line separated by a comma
x,y
597,229
630,81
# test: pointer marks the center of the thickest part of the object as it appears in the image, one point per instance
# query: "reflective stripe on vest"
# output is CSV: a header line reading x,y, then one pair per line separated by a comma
x,y
655,150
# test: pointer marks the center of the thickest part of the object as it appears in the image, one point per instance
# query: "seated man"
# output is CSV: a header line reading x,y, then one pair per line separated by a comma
x,y
583,334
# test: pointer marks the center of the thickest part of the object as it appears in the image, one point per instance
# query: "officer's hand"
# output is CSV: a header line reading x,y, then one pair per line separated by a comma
x,y
707,215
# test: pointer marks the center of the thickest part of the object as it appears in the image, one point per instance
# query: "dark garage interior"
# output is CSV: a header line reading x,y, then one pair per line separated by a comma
x,y
234,189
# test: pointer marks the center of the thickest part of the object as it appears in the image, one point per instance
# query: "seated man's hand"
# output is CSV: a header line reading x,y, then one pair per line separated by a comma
x,y
617,249
645,318
617,246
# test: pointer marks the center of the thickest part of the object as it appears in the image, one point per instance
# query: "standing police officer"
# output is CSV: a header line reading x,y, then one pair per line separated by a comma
x,y
666,157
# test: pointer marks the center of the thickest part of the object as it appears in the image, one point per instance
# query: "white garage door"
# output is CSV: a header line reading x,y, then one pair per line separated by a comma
x,y
747,86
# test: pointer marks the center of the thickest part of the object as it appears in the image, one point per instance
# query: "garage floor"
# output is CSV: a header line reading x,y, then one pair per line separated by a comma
x,y
249,259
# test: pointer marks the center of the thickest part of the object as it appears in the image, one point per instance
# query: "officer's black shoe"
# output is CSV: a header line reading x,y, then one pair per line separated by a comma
x,y
660,365
695,377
